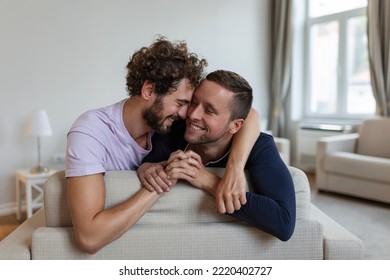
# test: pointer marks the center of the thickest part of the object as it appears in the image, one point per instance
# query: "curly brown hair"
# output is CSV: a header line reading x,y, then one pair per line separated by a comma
x,y
165,64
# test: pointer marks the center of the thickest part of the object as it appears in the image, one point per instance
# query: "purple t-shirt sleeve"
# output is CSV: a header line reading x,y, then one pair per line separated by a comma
x,y
85,155
98,141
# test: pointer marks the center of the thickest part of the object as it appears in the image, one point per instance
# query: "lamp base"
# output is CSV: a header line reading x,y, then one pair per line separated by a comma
x,y
39,169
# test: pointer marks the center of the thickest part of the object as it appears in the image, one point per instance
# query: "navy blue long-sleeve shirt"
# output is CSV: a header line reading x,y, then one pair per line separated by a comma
x,y
271,206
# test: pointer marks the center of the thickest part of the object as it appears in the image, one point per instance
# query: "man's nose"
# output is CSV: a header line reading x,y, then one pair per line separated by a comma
x,y
196,113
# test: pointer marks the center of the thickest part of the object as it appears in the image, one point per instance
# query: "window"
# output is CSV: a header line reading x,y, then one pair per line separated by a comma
x,y
338,78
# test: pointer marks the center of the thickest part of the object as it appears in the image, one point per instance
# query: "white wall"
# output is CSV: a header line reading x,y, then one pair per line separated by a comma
x,y
70,56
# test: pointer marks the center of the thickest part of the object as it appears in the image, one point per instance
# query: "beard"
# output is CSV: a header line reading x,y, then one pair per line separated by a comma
x,y
154,119
204,139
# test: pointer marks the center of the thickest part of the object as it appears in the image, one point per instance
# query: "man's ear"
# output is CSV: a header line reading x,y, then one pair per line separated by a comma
x,y
147,90
235,125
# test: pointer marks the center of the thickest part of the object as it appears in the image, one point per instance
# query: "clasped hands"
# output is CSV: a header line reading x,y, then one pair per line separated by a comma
x,y
229,192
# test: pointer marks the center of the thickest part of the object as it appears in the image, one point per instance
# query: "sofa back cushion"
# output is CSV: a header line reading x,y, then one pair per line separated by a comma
x,y
374,138
183,204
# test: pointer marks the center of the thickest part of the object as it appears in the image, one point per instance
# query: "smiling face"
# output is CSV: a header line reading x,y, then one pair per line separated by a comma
x,y
169,107
209,115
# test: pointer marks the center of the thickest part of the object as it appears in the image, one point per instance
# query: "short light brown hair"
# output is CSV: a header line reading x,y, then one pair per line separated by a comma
x,y
242,100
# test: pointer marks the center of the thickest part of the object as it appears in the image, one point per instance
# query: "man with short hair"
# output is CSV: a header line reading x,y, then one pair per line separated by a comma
x,y
217,112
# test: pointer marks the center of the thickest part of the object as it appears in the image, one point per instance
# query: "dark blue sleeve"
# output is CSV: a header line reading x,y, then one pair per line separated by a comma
x,y
271,206
271,203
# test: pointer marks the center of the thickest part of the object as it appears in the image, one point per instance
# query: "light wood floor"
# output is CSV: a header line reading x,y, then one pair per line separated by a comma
x,y
8,224
11,219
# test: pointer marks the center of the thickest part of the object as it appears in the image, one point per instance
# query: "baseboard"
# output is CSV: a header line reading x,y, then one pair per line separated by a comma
x,y
7,208
10,208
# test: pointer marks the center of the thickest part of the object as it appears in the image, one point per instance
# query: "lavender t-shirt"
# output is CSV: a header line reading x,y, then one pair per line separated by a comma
x,y
98,142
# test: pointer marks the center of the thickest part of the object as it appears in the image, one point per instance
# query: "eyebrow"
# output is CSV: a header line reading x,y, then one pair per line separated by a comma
x,y
183,101
207,105
212,107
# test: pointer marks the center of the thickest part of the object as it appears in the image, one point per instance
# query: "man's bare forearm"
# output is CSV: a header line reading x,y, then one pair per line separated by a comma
x,y
95,226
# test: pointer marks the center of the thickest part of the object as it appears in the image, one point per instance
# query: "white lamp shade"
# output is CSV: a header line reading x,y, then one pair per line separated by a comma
x,y
39,124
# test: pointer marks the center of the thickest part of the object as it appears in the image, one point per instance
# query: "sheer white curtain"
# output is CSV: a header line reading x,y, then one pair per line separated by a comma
x,y
378,31
281,65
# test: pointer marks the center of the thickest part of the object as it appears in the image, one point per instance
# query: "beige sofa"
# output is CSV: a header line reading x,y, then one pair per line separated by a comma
x,y
356,164
181,225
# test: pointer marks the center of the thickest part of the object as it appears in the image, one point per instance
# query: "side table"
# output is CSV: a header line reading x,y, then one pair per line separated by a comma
x,y
30,182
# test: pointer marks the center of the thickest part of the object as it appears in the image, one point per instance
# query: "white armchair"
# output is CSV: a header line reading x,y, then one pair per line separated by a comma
x,y
356,164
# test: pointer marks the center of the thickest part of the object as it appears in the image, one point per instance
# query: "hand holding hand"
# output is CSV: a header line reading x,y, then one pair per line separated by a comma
x,y
184,165
191,157
188,166
154,178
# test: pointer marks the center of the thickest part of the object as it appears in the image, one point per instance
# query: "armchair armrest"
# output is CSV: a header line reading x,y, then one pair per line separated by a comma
x,y
326,145
340,143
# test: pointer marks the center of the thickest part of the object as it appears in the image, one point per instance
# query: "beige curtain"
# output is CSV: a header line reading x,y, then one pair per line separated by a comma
x,y
281,48
378,30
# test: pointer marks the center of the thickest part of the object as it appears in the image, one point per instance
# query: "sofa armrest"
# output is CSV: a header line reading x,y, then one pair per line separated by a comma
x,y
339,243
326,145
17,245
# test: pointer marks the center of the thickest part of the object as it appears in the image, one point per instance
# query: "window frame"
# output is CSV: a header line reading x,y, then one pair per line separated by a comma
x,y
342,18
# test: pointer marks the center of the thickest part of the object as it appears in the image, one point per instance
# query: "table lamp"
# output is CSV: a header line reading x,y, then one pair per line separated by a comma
x,y
39,126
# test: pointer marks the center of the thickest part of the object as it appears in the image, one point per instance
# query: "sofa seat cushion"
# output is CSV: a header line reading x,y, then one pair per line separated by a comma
x,y
358,166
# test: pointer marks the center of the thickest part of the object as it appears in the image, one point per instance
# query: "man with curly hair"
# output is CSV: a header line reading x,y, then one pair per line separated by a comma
x,y
161,80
